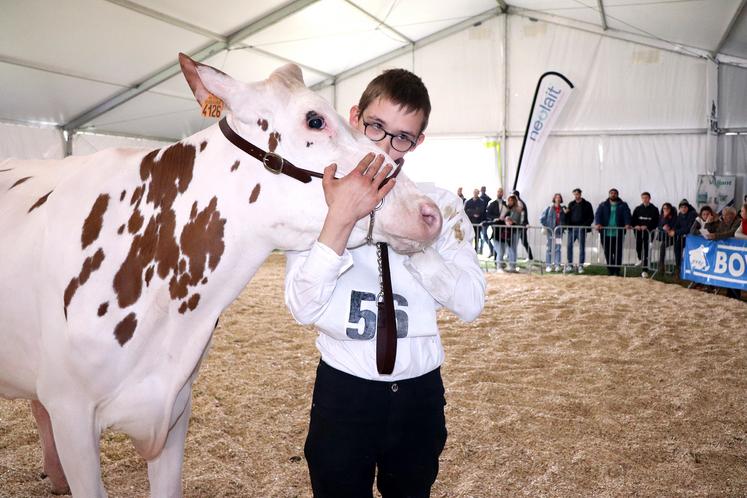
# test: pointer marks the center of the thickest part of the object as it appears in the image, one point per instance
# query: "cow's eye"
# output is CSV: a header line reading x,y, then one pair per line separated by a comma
x,y
315,121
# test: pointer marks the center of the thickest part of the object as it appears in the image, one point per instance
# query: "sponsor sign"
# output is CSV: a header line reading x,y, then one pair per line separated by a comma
x,y
722,263
716,190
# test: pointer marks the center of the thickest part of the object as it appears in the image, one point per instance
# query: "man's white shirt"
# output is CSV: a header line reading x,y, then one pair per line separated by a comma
x,y
338,294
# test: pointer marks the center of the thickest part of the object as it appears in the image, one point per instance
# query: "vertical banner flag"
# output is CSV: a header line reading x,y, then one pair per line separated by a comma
x,y
551,95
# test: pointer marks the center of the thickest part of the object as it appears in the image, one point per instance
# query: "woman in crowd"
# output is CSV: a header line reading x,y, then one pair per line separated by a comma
x,y
705,223
552,217
505,233
741,232
666,225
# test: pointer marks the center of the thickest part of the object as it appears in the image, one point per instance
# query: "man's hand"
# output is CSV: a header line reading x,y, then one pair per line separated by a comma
x,y
598,227
352,197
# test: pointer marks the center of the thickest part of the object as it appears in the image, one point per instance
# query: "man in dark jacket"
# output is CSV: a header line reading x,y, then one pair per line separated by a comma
x,y
611,216
645,223
484,239
580,214
524,222
685,218
475,210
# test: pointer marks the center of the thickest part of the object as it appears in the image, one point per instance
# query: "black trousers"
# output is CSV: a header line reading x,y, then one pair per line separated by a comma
x,y
359,426
642,242
613,252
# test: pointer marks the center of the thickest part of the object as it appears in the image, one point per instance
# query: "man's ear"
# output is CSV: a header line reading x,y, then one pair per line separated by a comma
x,y
354,116
419,141
205,80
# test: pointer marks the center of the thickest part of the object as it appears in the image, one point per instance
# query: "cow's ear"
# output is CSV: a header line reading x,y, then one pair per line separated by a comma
x,y
205,80
290,73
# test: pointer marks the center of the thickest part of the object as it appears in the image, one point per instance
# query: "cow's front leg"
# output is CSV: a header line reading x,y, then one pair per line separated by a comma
x,y
52,466
76,437
165,471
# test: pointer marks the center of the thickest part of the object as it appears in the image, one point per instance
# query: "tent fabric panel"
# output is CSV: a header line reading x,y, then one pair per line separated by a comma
x,y
330,35
28,142
417,19
93,38
736,44
153,115
84,143
33,95
733,161
664,165
219,16
619,85
732,97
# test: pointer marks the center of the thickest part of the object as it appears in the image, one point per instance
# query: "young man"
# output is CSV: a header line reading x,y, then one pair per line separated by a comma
x,y
612,215
363,422
645,223
475,210
580,214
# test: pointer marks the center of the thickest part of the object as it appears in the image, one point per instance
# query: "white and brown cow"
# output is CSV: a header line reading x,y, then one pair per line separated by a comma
x,y
116,266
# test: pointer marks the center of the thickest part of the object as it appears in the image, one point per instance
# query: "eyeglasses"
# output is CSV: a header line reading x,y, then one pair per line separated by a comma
x,y
375,132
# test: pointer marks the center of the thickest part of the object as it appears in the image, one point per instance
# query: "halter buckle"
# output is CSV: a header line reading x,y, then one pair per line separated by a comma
x,y
273,162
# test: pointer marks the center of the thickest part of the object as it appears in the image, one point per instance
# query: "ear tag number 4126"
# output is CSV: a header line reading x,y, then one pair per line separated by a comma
x,y
213,107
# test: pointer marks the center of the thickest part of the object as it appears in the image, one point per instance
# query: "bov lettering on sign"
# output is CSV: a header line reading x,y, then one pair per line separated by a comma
x,y
734,264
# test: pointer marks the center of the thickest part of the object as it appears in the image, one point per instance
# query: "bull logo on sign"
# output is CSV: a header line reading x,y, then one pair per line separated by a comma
x,y
698,258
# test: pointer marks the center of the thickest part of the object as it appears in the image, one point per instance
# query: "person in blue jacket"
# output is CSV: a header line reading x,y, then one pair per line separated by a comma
x,y
611,216
686,215
554,216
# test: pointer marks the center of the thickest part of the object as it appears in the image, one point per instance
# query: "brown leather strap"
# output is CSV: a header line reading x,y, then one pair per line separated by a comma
x,y
272,162
386,323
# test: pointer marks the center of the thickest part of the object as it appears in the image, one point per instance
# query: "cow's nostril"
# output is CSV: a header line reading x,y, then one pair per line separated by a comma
x,y
431,216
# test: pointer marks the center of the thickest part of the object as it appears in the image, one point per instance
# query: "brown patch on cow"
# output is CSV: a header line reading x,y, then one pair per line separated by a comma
x,y
203,145
235,165
149,275
90,265
182,265
40,201
136,221
169,175
193,302
125,329
202,239
120,230
255,193
262,123
309,144
193,213
183,307
122,195
136,195
20,181
94,221
102,308
204,281
70,292
458,234
274,141
179,286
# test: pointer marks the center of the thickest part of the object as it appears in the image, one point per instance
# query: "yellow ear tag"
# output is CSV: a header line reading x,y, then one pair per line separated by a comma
x,y
213,107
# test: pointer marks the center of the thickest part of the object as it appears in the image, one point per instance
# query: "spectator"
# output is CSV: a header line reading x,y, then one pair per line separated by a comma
x,y
645,222
666,224
460,195
611,216
475,210
580,214
508,238
553,217
524,222
741,232
706,222
685,218
484,239
725,227
493,213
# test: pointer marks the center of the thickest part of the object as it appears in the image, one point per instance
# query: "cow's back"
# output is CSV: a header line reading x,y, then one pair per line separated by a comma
x,y
43,207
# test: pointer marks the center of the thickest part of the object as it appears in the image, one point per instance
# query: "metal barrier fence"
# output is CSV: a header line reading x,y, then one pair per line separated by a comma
x,y
570,248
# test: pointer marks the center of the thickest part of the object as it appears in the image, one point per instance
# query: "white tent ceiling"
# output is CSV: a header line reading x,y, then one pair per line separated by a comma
x,y
110,65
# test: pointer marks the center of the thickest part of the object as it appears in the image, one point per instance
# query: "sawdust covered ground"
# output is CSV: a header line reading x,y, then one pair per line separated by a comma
x,y
565,386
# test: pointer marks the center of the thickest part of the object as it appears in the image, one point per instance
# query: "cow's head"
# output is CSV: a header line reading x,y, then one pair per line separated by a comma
x,y
282,115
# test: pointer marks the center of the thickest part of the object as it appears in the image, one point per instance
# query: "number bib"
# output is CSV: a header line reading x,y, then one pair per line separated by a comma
x,y
351,314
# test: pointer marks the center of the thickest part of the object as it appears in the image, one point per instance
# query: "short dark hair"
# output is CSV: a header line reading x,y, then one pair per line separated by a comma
x,y
706,208
646,193
613,190
401,87
576,190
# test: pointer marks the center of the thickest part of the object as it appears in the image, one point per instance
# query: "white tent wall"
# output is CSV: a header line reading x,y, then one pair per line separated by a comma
x,y
28,142
732,97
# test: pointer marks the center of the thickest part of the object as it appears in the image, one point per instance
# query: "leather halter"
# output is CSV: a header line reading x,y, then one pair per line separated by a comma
x,y
275,163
